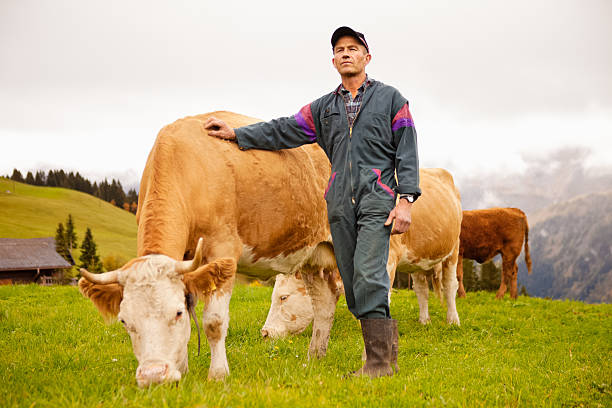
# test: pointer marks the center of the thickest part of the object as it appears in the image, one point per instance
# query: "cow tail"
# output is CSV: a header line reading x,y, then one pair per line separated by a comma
x,y
527,255
436,283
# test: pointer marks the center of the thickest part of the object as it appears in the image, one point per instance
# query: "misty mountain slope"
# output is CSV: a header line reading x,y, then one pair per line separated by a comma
x,y
571,248
553,178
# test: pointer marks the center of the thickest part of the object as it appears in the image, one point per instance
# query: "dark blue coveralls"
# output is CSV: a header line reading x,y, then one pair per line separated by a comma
x,y
362,187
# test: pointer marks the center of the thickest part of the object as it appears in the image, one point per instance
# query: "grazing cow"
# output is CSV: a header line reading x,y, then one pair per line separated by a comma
x,y
261,210
291,308
150,295
431,245
486,233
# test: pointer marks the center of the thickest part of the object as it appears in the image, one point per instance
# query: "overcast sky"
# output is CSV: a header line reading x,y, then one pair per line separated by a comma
x,y
86,85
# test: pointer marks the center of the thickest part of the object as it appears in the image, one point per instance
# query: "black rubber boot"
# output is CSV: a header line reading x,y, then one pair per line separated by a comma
x,y
378,339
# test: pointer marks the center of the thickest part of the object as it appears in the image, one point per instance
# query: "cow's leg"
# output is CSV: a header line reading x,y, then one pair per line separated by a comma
x,y
324,298
461,290
504,278
449,277
508,273
422,293
215,323
216,314
513,282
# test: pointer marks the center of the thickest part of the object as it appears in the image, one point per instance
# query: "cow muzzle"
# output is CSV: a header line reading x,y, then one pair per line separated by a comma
x,y
273,333
156,373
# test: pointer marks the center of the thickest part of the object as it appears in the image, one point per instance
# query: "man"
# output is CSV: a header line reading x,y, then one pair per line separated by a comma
x,y
367,132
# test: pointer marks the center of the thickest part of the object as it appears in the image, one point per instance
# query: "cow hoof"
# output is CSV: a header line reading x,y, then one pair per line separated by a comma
x,y
217,375
425,321
453,320
316,353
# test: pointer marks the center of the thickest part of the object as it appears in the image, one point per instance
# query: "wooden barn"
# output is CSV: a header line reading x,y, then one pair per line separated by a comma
x,y
29,260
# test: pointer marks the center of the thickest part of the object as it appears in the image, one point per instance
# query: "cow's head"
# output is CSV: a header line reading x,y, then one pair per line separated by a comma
x,y
291,309
148,295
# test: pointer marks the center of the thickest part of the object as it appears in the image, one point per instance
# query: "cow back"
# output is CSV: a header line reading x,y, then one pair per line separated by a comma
x,y
195,185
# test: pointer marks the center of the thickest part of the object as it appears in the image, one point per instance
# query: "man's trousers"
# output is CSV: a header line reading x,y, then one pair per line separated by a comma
x,y
361,246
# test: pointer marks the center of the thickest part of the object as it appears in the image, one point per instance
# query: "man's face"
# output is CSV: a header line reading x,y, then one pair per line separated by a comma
x,y
350,56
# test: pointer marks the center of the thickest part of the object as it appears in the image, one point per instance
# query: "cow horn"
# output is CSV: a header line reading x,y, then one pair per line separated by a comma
x,y
101,278
183,267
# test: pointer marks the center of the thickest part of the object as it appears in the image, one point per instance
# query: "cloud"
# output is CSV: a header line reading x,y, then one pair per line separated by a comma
x,y
488,82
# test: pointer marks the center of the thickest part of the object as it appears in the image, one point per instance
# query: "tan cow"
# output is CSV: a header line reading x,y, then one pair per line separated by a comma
x,y
486,233
261,210
430,246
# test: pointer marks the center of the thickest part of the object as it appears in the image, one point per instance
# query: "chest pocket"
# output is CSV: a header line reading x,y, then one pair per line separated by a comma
x,y
332,126
377,128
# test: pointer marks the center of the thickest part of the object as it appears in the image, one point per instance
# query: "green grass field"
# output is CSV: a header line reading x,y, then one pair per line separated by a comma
x,y
55,351
32,212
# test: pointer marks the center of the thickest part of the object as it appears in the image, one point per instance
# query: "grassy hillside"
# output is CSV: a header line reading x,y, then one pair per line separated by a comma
x,y
30,212
56,351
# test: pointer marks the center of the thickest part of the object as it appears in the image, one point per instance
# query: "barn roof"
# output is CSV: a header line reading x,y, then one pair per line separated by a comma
x,y
33,253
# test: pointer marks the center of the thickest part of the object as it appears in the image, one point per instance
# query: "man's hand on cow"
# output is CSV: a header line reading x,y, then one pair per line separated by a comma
x,y
401,215
218,128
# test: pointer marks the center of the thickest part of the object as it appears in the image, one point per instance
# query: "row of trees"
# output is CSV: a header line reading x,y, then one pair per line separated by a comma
x,y
475,277
481,277
66,241
112,192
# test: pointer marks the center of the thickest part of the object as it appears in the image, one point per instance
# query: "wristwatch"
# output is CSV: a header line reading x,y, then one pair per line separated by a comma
x,y
410,197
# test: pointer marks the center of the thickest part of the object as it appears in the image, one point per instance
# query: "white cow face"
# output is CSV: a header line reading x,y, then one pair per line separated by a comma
x,y
291,310
148,295
154,313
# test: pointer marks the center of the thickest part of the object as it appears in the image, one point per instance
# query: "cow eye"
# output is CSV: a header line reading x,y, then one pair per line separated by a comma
x,y
179,313
122,321
283,298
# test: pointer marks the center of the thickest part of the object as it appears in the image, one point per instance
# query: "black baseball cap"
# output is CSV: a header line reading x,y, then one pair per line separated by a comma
x,y
343,31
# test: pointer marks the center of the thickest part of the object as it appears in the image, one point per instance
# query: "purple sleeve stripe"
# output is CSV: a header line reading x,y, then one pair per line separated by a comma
x,y
402,122
302,122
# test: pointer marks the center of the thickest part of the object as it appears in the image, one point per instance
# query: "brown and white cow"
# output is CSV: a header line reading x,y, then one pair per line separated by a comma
x,y
430,246
261,210
486,233
149,295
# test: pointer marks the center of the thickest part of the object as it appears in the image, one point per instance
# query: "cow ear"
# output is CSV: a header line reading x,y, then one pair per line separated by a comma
x,y
106,298
204,280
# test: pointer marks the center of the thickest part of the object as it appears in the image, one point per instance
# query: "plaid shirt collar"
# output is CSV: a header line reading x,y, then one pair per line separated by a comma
x,y
352,105
341,90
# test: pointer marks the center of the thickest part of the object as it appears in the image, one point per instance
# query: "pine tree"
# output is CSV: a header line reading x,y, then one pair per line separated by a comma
x,y
470,279
70,237
29,178
89,258
17,176
490,276
40,178
60,242
51,181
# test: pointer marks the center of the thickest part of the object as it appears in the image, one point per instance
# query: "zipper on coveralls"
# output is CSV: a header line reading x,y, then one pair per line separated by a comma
x,y
349,148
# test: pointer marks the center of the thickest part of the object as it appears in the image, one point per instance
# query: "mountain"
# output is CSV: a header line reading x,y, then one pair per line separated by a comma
x,y
571,249
31,212
546,180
